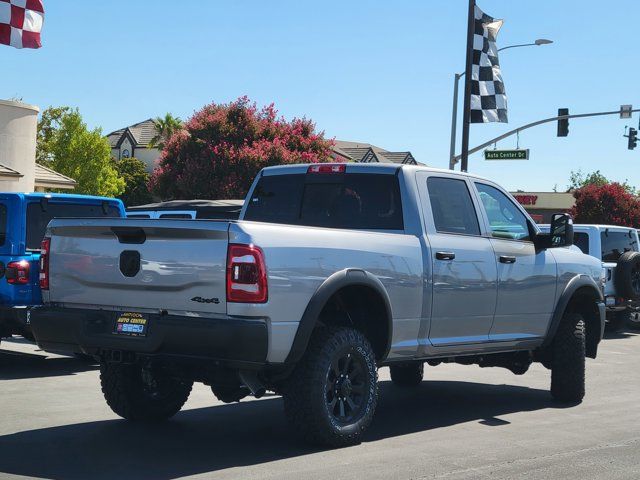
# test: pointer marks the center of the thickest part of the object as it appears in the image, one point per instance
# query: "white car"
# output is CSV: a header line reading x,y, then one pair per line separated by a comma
x,y
617,247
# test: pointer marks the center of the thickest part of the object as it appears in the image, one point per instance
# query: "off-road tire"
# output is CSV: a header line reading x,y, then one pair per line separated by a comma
x,y
626,276
308,391
407,375
129,396
568,362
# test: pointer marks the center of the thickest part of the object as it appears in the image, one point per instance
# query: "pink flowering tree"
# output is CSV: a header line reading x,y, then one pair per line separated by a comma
x,y
610,203
222,147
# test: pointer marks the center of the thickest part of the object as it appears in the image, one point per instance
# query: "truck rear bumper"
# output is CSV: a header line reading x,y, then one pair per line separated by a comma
x,y
226,339
14,320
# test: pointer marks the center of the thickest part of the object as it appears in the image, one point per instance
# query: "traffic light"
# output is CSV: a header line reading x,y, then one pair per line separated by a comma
x,y
563,123
633,138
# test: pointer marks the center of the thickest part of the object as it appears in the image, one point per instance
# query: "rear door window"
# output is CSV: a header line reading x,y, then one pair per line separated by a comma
x,y
350,201
614,244
452,207
39,216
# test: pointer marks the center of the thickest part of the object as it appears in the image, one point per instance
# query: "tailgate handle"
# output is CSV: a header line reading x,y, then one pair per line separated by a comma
x,y
130,235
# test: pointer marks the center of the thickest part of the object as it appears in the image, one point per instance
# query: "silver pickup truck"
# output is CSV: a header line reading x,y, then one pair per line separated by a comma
x,y
331,272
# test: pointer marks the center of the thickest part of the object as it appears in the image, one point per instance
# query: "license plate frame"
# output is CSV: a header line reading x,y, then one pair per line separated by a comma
x,y
131,324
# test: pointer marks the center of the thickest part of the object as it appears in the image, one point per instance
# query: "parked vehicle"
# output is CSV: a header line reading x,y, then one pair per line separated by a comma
x,y
331,272
189,209
23,220
618,249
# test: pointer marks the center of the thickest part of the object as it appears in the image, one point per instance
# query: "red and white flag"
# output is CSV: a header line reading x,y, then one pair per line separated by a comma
x,y
21,23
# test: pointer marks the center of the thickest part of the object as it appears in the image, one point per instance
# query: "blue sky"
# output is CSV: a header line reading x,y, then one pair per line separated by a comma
x,y
377,71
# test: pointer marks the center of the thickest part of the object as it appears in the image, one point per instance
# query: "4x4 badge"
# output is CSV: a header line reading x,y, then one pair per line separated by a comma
x,y
205,300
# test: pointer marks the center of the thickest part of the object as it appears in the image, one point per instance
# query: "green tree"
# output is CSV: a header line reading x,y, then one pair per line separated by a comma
x,y
165,127
578,179
65,144
135,178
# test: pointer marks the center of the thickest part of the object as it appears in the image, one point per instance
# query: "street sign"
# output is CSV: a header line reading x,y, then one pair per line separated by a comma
x,y
625,111
518,154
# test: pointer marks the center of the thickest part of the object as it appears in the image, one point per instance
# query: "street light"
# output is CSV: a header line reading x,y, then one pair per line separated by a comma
x,y
456,81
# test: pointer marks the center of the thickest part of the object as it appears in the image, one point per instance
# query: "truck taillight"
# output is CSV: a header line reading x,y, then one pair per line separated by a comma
x,y
246,274
327,168
44,263
17,273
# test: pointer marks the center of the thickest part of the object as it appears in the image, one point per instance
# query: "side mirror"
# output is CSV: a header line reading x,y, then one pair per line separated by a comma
x,y
560,233
561,230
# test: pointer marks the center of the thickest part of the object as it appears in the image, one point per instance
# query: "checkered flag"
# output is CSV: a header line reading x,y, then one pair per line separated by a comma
x,y
488,100
21,23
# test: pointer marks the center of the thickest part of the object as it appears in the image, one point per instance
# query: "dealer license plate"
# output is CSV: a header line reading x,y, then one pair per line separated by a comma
x,y
131,323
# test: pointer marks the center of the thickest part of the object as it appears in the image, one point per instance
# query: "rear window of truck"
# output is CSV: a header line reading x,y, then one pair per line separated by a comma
x,y
39,216
351,201
614,244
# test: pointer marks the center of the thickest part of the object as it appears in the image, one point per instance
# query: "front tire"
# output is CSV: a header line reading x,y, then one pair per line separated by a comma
x,y
568,362
142,394
408,375
331,395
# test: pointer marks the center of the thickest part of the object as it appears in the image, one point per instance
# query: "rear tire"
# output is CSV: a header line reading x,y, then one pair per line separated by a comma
x,y
331,395
142,394
568,362
408,375
632,319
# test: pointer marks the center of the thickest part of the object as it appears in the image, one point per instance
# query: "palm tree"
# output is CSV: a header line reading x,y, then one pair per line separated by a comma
x,y
165,127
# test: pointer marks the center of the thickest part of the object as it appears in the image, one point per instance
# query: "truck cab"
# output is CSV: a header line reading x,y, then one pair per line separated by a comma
x,y
23,221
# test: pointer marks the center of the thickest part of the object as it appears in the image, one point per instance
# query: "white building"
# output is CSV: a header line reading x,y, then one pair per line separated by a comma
x,y
133,141
18,169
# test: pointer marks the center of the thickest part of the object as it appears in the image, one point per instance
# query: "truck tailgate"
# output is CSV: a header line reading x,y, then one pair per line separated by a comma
x,y
177,266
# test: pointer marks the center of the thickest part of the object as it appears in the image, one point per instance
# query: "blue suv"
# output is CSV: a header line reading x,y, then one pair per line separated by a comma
x,y
23,220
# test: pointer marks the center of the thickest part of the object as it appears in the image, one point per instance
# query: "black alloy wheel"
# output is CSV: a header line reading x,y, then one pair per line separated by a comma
x,y
346,387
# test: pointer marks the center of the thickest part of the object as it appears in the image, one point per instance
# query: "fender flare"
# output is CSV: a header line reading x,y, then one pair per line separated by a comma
x,y
348,277
577,282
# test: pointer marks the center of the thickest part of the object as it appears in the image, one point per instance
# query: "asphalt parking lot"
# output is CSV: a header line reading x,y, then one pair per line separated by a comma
x,y
461,423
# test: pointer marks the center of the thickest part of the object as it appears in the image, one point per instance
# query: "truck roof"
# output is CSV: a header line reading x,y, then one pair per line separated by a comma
x,y
354,167
188,204
69,196
587,226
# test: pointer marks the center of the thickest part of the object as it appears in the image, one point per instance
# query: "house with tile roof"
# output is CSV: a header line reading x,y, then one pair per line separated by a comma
x,y
368,153
133,141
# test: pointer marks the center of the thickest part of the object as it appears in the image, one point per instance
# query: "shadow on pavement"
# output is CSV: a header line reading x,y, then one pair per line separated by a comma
x,y
17,365
620,334
249,433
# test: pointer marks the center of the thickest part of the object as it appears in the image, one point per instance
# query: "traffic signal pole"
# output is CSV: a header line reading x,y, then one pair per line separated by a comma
x,y
535,124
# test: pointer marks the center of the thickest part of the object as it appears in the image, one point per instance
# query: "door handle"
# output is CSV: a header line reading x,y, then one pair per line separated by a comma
x,y
445,255
507,259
